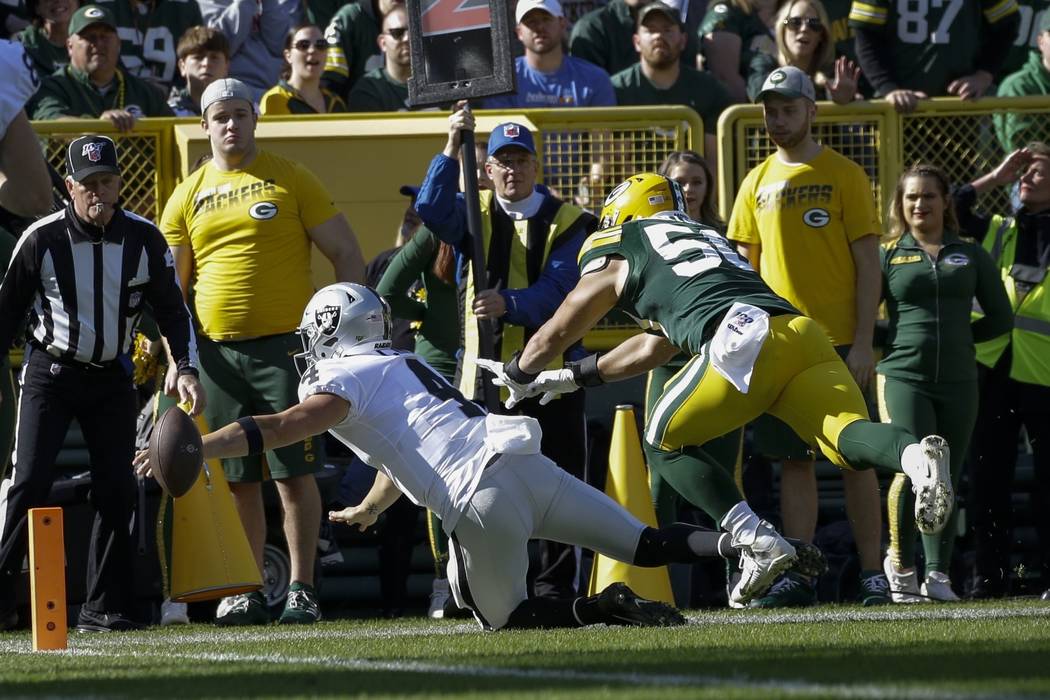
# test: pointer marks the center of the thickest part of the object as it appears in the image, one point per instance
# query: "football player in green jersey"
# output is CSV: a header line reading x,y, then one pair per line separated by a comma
x,y
751,353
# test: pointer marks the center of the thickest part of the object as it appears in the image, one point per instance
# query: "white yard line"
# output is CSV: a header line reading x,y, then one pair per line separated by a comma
x,y
163,645
199,635
893,613
706,682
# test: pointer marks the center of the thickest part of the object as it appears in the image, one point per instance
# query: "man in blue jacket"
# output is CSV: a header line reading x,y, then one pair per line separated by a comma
x,y
531,241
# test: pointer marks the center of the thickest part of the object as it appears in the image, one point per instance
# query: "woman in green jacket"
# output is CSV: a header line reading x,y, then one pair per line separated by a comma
x,y
420,285
927,381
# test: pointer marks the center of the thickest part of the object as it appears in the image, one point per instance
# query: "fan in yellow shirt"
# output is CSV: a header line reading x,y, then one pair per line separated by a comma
x,y
240,230
803,217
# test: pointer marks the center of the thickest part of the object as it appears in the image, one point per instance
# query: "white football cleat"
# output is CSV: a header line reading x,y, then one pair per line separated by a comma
x,y
927,465
938,586
172,613
761,562
904,587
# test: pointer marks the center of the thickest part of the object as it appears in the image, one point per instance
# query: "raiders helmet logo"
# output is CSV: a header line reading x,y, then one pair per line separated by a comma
x,y
93,151
327,319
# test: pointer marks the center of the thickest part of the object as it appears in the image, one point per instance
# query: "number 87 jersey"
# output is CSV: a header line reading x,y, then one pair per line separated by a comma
x,y
682,276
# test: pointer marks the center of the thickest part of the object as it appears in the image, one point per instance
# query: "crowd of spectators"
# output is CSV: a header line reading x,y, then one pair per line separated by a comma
x,y
111,59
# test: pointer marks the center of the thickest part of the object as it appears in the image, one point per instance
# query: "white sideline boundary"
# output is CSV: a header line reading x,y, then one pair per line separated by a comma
x,y
734,682
141,646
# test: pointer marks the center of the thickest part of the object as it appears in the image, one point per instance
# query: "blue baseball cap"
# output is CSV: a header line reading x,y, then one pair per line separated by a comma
x,y
511,134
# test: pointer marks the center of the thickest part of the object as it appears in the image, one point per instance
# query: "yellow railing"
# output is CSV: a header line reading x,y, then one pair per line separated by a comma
x,y
146,157
956,135
364,159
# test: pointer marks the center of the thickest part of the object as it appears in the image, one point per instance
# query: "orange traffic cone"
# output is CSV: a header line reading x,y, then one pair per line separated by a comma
x,y
627,483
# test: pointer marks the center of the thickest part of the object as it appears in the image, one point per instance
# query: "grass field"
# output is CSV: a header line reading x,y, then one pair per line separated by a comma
x,y
927,652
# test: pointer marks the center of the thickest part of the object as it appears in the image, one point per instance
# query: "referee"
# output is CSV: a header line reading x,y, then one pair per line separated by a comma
x,y
81,278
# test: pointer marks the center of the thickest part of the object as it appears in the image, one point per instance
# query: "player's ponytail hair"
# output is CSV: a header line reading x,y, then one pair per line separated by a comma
x,y
898,224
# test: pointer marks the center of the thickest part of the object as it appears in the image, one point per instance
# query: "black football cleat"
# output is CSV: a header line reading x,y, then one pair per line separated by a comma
x,y
91,621
620,606
811,561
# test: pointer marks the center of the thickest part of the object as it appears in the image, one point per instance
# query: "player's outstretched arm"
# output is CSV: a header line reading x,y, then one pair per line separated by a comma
x,y
593,297
380,497
256,434
636,355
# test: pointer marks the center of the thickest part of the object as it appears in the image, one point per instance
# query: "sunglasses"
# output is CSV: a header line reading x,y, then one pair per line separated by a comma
x,y
397,33
305,44
796,23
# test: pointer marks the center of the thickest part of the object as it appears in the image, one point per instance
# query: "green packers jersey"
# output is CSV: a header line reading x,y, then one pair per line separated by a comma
x,y
755,36
351,35
683,277
149,32
1031,12
840,31
933,42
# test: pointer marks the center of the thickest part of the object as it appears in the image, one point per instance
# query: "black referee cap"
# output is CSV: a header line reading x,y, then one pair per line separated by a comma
x,y
88,155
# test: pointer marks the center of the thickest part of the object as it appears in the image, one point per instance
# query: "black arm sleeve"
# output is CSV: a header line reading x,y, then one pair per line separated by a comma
x,y
19,285
971,223
873,54
996,41
165,296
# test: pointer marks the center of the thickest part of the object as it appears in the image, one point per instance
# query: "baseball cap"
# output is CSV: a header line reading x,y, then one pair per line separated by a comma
x,y
551,7
91,154
225,89
789,82
511,134
88,15
662,7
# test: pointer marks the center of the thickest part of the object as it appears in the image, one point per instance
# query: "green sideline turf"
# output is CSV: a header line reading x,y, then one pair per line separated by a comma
x,y
943,651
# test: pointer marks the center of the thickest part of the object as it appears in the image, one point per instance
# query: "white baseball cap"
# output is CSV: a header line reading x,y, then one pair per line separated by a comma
x,y
225,89
551,7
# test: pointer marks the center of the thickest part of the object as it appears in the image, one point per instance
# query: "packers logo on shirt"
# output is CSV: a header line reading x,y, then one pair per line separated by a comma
x,y
261,211
957,259
816,217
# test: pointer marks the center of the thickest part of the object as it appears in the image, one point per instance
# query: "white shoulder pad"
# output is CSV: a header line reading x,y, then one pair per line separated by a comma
x,y
332,377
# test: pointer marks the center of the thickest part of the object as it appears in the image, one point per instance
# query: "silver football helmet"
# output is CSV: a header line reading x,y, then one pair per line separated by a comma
x,y
343,319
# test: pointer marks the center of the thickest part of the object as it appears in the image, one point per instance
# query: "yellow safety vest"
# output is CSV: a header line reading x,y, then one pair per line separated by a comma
x,y
517,278
1030,336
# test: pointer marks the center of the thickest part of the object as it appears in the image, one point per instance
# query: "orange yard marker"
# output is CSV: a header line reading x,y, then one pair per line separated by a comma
x,y
47,578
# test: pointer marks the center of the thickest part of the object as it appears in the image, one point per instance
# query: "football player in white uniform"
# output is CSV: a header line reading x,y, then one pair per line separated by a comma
x,y
29,194
482,474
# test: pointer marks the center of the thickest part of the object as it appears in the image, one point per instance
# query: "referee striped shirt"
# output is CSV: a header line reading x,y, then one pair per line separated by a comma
x,y
83,289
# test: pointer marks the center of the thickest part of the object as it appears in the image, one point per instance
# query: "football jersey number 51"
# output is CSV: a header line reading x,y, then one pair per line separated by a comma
x,y
691,252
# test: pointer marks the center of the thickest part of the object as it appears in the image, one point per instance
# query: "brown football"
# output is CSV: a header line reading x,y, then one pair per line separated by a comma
x,y
176,453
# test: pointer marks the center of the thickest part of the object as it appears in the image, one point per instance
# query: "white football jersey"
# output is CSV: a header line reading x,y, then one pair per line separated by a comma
x,y
408,422
20,81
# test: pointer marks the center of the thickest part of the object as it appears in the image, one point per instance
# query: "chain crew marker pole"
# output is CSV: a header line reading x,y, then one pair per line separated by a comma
x,y
47,578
